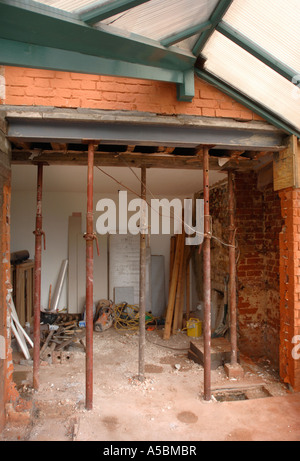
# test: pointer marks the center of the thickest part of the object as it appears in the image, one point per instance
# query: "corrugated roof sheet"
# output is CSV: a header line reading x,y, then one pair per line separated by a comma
x,y
247,74
158,19
68,5
274,25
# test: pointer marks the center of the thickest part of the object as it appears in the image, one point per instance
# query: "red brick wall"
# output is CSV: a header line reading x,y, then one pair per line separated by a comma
x,y
8,392
290,286
258,222
33,87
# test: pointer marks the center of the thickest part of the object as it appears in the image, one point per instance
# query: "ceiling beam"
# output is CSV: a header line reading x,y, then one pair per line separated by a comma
x,y
105,159
143,134
25,23
247,102
99,11
186,33
186,90
13,53
215,18
257,51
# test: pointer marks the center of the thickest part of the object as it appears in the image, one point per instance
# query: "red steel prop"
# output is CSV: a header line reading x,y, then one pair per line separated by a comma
x,y
206,279
232,270
142,303
39,233
89,237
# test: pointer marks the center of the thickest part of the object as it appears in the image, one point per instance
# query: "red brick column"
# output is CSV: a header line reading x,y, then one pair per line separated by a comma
x,y
289,243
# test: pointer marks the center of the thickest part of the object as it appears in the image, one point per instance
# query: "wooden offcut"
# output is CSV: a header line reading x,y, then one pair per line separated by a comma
x,y
286,168
23,289
173,286
179,290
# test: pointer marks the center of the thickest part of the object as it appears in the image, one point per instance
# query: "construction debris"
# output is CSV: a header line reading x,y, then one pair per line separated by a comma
x,y
58,335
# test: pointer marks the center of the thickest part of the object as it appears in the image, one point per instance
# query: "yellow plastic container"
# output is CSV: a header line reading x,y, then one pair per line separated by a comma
x,y
194,328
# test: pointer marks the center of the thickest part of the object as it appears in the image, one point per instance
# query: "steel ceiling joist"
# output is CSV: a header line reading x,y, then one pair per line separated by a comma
x,y
145,134
35,34
187,33
99,11
41,28
13,53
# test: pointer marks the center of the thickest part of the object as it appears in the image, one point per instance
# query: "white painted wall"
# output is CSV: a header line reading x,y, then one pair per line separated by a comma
x,y
64,192
56,209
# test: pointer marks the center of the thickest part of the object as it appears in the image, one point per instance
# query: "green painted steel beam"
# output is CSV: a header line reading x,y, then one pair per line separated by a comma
x,y
260,110
215,18
186,90
13,53
184,34
36,26
99,11
257,51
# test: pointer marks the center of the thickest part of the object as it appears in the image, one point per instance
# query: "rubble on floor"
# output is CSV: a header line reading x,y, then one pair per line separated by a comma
x,y
167,405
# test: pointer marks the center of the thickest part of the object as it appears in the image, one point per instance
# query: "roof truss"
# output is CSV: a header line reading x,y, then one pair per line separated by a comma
x,y
26,30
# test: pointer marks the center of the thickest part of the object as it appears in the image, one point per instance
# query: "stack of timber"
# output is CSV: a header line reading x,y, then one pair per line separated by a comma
x,y
178,285
57,337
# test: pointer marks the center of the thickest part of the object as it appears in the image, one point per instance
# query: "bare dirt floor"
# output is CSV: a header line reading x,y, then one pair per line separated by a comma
x,y
167,406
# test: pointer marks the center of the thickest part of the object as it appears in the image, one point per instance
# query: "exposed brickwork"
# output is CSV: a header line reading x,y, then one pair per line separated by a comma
x,y
273,223
5,194
290,285
33,87
258,222
8,392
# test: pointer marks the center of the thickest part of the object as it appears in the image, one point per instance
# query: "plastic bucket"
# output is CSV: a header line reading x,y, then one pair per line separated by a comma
x,y
194,328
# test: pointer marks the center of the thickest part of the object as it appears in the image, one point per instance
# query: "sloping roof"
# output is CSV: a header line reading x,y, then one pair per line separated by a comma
x,y
249,49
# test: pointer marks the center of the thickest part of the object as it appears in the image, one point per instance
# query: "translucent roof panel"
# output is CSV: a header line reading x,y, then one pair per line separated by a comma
x,y
68,5
158,19
273,25
251,77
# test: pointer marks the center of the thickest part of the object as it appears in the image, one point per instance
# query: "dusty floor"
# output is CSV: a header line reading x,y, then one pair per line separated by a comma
x,y
167,406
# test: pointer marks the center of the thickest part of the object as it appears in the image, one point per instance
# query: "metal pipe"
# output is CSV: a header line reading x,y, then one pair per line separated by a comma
x,y
143,256
206,279
232,269
37,278
59,286
89,237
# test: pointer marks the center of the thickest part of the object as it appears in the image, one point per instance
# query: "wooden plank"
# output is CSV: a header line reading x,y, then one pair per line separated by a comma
x,y
45,345
172,254
74,230
29,295
136,160
188,289
20,293
179,292
173,287
285,166
184,288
